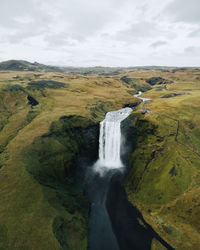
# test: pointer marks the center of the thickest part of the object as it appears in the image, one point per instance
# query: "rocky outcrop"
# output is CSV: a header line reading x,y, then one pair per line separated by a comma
x,y
137,84
32,101
172,95
42,84
158,81
131,105
126,79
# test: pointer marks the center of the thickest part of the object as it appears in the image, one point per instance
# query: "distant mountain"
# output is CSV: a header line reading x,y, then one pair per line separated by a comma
x,y
20,65
113,70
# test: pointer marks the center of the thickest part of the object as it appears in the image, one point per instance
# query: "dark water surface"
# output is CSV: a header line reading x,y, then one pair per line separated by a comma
x,y
114,223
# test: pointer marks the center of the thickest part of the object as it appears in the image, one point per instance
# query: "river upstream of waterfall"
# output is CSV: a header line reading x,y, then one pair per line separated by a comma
x,y
114,223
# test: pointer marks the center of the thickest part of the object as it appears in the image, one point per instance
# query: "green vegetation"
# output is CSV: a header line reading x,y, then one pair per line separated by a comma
x,y
20,65
46,84
164,178
139,84
42,202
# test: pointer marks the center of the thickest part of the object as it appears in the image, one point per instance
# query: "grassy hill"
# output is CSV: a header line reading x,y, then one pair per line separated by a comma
x,y
164,179
42,205
44,122
20,65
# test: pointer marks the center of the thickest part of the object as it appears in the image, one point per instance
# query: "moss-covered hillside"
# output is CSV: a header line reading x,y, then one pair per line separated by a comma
x,y
47,120
44,124
164,181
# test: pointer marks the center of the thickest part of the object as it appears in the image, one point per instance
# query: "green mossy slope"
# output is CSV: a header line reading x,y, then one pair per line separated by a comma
x,y
41,195
165,175
42,203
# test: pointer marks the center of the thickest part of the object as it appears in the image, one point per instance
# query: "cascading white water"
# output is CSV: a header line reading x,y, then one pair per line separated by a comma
x,y
142,98
110,138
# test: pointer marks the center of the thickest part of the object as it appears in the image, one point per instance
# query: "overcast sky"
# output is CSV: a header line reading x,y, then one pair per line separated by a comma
x,y
101,32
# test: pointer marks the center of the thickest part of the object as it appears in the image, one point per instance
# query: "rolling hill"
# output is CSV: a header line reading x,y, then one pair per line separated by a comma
x,y
47,117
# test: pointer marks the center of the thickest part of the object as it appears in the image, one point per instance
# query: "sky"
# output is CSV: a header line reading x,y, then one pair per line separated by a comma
x,y
101,32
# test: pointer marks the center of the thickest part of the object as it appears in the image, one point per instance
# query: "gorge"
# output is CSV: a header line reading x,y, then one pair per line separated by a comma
x,y
114,223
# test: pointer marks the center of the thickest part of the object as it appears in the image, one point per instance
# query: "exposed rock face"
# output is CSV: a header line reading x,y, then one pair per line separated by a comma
x,y
161,87
126,79
42,84
136,83
158,80
131,105
127,145
172,95
32,101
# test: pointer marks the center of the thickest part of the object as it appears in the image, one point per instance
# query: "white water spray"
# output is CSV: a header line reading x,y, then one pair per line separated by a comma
x,y
110,139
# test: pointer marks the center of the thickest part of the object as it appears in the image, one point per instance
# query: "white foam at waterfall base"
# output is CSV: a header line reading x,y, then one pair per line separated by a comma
x,y
110,140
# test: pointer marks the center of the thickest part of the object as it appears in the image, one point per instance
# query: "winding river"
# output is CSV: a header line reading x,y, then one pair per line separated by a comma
x,y
145,100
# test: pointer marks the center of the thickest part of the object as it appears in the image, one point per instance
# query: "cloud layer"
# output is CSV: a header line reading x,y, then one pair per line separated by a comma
x,y
106,32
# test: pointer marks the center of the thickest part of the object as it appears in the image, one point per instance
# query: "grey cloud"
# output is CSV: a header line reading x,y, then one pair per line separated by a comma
x,y
80,18
195,33
87,18
23,34
184,10
61,40
106,32
158,44
24,18
137,31
10,9
192,50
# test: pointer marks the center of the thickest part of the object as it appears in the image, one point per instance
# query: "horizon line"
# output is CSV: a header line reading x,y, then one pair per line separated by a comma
x,y
99,66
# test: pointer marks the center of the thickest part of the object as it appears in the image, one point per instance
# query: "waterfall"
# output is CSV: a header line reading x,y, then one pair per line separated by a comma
x,y
110,138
